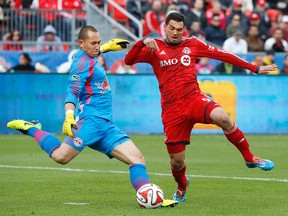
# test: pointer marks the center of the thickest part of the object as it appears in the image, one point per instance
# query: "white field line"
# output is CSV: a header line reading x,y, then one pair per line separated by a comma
x,y
156,174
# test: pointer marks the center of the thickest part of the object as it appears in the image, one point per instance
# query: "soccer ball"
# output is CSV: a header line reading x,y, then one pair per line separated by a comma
x,y
150,196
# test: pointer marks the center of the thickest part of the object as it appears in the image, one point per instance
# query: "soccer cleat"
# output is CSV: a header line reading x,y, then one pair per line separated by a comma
x,y
263,164
180,196
23,126
169,203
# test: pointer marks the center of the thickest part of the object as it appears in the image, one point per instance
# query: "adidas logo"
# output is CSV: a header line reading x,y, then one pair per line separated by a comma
x,y
162,52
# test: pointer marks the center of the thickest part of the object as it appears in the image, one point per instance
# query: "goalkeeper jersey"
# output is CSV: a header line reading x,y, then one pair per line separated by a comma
x,y
88,87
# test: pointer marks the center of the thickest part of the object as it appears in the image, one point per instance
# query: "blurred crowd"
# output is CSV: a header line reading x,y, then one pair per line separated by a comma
x,y
238,26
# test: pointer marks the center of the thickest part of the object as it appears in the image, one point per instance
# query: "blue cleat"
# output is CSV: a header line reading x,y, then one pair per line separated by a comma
x,y
23,126
180,196
263,164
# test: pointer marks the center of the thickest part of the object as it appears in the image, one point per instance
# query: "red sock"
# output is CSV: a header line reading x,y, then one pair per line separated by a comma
x,y
180,177
237,138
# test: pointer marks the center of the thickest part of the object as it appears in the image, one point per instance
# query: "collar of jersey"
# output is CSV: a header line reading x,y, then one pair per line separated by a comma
x,y
173,44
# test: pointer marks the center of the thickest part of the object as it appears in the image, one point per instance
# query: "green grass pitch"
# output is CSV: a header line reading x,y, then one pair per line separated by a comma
x,y
32,184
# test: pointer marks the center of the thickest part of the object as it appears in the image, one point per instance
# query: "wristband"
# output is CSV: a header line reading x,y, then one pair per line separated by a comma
x,y
257,69
69,111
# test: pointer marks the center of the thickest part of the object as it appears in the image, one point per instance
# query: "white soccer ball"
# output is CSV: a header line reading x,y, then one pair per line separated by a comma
x,y
150,196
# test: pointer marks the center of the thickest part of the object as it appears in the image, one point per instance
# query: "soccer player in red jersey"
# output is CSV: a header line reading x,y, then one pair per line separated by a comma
x,y
183,104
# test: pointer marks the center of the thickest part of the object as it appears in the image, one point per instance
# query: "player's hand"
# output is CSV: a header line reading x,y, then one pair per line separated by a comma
x,y
267,69
151,44
68,124
114,45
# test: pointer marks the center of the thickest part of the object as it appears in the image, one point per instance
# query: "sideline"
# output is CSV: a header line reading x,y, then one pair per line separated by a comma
x,y
156,174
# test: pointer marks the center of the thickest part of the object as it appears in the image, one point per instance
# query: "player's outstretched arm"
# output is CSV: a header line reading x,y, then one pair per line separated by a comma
x,y
114,45
267,68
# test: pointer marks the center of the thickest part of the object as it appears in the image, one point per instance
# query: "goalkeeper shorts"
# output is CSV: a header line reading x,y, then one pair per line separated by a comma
x,y
97,133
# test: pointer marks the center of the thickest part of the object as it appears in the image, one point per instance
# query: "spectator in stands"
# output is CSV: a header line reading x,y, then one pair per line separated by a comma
x,y
278,19
254,19
196,13
236,44
225,4
182,5
153,19
216,9
237,9
268,59
247,6
276,42
283,24
24,65
255,44
135,7
120,67
260,9
235,25
15,37
285,65
226,68
203,66
214,33
195,30
258,60
49,41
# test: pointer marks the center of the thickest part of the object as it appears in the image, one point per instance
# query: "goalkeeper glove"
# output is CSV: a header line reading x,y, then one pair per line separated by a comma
x,y
114,45
69,123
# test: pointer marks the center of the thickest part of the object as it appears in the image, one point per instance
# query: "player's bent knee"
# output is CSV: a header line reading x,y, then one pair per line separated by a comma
x,y
61,160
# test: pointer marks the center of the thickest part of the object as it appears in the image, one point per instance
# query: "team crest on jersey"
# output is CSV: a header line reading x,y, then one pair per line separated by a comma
x,y
186,50
103,86
78,142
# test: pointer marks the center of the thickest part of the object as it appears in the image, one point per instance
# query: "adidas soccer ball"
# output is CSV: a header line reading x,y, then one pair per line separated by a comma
x,y
150,196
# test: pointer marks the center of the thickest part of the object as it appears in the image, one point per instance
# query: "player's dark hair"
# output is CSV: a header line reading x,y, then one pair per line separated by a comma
x,y
83,34
177,16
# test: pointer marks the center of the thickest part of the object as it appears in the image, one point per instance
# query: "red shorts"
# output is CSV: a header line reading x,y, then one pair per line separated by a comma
x,y
179,119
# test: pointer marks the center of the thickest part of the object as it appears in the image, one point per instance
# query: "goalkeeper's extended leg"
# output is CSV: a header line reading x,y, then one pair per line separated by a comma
x,y
48,142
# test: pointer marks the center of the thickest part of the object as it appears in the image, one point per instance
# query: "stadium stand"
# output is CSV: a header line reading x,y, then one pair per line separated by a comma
x,y
67,16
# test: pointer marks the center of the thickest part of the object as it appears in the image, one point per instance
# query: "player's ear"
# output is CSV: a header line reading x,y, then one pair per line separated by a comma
x,y
80,43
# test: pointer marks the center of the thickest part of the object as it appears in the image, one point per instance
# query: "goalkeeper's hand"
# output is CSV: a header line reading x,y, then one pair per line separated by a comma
x,y
114,45
68,124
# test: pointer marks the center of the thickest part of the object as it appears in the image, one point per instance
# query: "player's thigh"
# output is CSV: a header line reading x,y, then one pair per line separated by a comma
x,y
200,108
221,118
128,153
64,153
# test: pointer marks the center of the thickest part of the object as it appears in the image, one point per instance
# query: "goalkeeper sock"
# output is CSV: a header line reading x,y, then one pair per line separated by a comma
x,y
48,142
180,177
138,176
237,138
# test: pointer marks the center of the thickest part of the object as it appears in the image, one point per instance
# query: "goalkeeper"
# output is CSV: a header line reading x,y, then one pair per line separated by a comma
x,y
89,91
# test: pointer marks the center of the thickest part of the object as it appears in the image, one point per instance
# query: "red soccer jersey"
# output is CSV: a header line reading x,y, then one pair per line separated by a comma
x,y
174,65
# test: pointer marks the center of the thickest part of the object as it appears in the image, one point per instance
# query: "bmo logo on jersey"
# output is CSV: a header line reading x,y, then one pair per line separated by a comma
x,y
168,62
185,60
